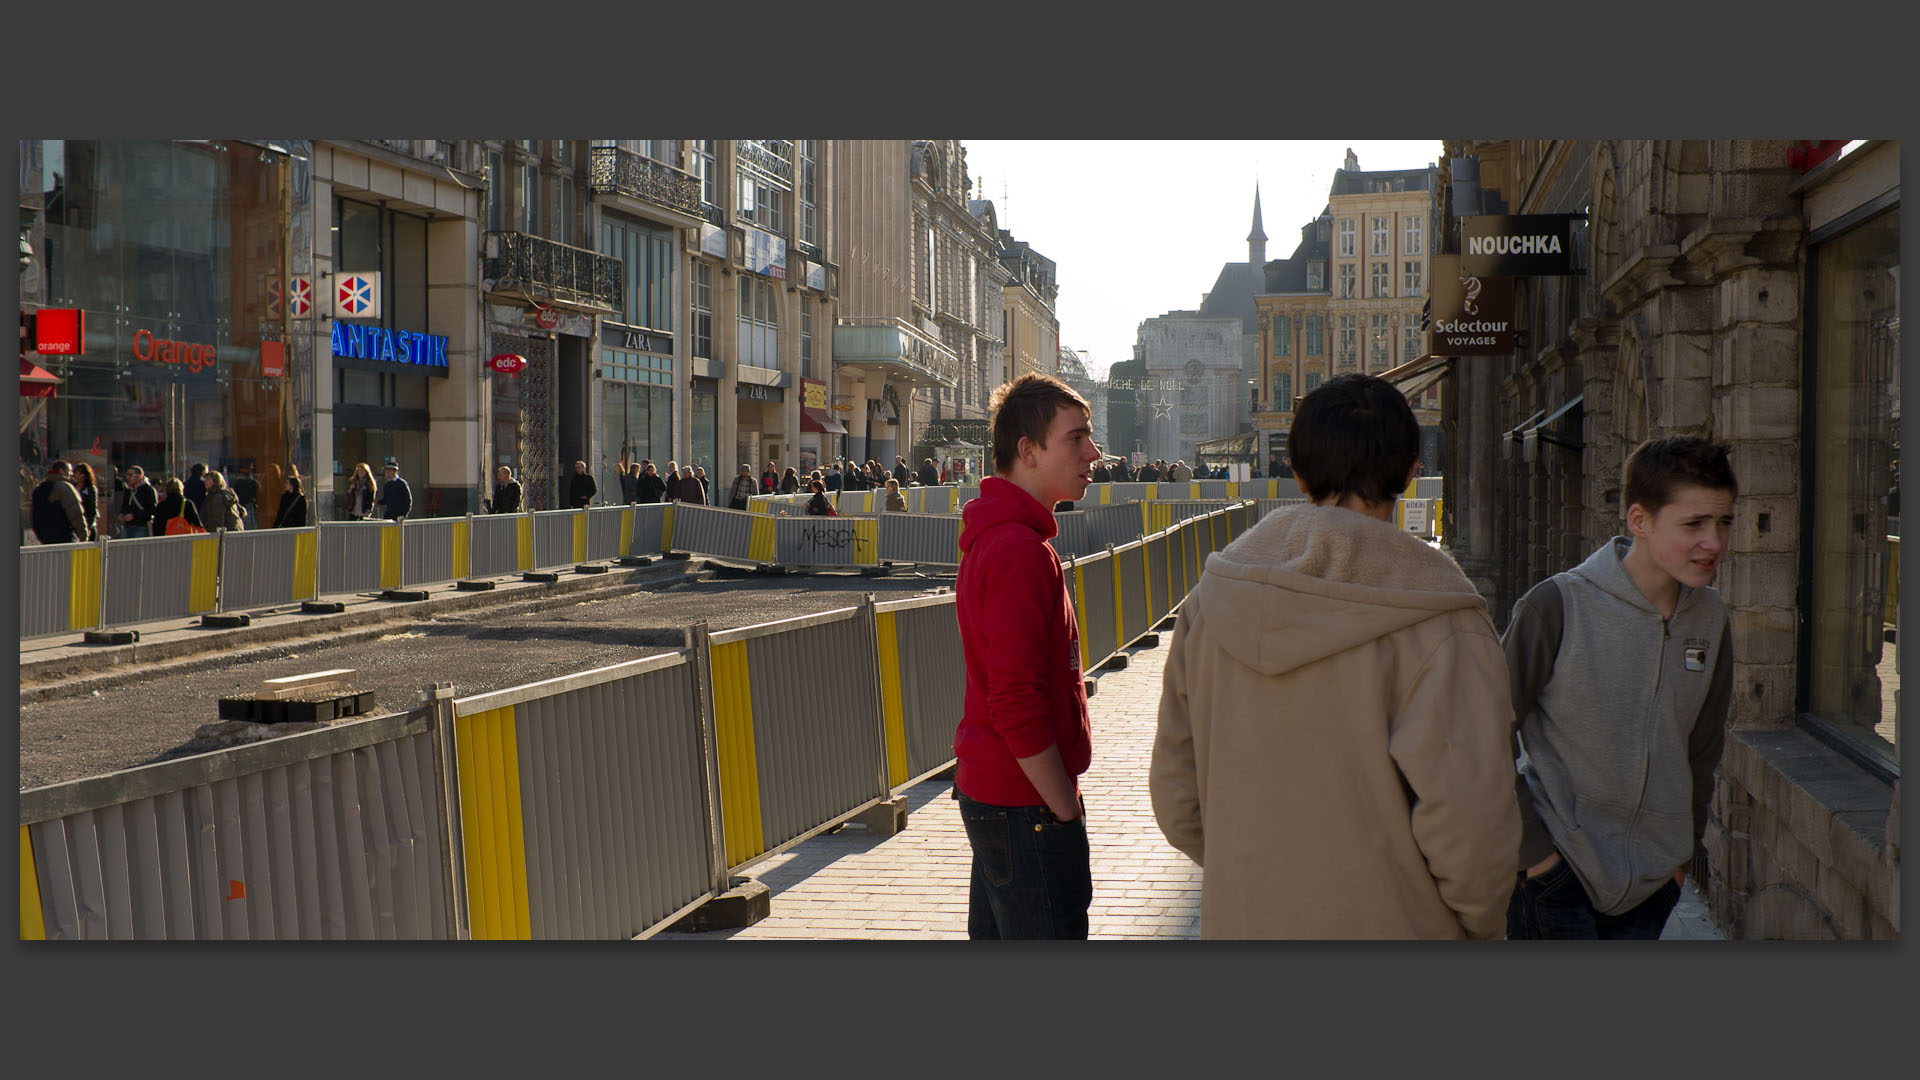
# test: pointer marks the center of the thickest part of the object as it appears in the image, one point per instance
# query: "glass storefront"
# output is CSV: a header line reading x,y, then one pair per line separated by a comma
x,y
636,413
705,409
380,405
177,253
1852,534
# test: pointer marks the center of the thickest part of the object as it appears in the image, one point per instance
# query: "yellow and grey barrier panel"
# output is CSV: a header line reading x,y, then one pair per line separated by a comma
x,y
557,536
499,544
820,541
713,530
609,531
581,804
928,539
796,754
359,556
332,834
60,588
434,550
652,529
161,577
263,567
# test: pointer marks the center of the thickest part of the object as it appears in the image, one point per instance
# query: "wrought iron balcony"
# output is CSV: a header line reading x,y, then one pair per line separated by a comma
x,y
612,170
714,214
895,348
535,268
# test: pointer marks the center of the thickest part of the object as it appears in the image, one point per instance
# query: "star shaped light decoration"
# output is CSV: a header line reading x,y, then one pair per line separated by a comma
x,y
1163,406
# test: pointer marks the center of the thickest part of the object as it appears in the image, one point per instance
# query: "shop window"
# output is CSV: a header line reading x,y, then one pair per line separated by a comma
x,y
759,323
1850,539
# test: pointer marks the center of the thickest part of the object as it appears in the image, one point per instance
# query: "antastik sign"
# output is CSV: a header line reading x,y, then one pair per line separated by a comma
x,y
391,346
1516,245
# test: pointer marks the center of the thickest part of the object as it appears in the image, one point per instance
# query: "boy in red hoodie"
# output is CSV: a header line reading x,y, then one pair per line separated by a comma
x,y
1023,735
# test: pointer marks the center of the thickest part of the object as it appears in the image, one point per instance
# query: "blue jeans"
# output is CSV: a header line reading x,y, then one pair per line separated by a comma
x,y
129,532
1555,906
1032,872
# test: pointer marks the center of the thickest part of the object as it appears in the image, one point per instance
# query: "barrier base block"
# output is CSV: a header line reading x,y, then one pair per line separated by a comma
x,y
111,637
1115,662
547,576
746,903
886,818
404,595
635,560
322,607
590,568
1091,685
471,585
1166,623
876,571
682,555
1147,641
225,622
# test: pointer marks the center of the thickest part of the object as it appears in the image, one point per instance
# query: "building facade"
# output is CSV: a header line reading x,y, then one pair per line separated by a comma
x,y
1192,383
1723,288
958,292
1032,330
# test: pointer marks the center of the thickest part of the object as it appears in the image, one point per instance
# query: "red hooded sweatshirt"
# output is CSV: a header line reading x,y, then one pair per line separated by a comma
x,y
1022,647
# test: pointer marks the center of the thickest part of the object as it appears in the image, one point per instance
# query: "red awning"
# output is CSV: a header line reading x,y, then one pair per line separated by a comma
x,y
36,381
820,420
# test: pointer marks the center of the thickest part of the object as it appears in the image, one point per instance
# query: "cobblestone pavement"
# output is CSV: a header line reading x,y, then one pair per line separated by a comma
x,y
913,885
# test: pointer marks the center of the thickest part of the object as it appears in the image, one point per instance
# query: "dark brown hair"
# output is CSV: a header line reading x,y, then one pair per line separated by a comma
x,y
1658,467
1354,435
1023,409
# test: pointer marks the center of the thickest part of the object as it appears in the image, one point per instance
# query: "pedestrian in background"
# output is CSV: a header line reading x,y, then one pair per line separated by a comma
x,y
789,481
55,511
629,478
817,504
396,498
651,487
137,504
896,502
1622,671
220,507
744,488
361,493
900,470
929,477
293,505
581,488
195,489
770,479
89,490
175,504
1333,742
706,489
687,488
1024,737
506,492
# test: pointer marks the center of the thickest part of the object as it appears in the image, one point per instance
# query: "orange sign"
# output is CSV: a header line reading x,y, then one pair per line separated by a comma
x,y
154,350
273,359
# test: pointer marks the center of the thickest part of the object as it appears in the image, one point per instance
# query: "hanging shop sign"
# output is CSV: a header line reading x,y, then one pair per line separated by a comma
x,y
60,331
1517,245
637,338
546,318
713,241
817,276
296,293
357,295
1472,315
391,346
766,253
273,359
508,363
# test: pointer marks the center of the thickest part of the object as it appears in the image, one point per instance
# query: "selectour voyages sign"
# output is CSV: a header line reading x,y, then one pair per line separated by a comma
x,y
1516,245
1472,315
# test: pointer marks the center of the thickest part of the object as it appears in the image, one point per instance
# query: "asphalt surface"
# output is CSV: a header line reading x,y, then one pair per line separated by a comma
x,y
154,717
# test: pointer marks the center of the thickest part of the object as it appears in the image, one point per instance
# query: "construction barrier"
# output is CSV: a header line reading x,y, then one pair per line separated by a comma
x,y
726,534
359,556
923,685
1091,585
609,532
824,541
433,551
263,567
333,834
652,530
1070,536
59,588
920,538
559,538
582,804
499,544
161,577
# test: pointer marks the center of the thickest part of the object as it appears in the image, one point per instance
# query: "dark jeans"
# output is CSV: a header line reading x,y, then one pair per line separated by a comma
x,y
130,532
1555,906
1032,873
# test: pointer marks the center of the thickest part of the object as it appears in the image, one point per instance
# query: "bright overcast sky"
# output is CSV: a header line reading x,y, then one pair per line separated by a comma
x,y
1141,228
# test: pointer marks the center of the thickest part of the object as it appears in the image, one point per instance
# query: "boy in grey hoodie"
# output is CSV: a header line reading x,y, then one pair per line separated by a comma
x,y
1621,672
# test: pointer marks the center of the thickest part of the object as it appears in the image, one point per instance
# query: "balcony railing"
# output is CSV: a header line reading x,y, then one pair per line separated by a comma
x,y
536,268
612,170
434,150
897,348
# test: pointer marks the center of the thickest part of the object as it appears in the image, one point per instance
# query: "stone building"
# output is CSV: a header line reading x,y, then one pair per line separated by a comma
x,y
1722,287
1032,331
958,289
1191,391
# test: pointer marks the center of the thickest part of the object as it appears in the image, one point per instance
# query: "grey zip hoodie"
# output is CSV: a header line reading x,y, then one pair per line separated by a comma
x,y
1622,717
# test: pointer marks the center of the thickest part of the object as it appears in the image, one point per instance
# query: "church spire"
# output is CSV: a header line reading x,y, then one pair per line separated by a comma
x,y
1257,239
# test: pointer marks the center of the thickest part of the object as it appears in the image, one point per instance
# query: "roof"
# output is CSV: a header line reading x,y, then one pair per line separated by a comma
x,y
1232,295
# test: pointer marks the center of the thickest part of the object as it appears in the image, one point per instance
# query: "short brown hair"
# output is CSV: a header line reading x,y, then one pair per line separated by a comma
x,y
1657,467
1023,409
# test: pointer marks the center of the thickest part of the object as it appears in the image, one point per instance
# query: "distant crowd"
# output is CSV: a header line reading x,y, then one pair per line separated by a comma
x,y
72,504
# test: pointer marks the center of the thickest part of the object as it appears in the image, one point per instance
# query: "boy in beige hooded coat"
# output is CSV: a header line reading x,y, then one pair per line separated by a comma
x,y
1335,731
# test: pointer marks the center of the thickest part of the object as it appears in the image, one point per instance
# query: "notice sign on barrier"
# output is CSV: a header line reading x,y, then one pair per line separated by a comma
x,y
1415,516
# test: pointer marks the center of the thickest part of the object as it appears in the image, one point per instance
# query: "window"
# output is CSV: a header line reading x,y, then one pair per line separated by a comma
x,y
1348,276
1320,230
646,256
664,151
393,243
763,204
1316,336
1410,244
806,337
1349,344
703,168
923,281
530,194
765,171
1377,238
1410,340
1851,531
1380,346
563,229
622,365
804,193
1282,391
1346,238
1313,381
759,324
1412,278
1282,336
496,191
1316,274
702,310
1382,279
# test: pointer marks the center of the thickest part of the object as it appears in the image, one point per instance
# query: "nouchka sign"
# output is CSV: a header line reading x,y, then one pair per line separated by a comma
x,y
1472,315
1517,245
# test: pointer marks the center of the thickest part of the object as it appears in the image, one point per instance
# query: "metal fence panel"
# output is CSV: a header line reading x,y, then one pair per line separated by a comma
x,y
553,538
433,551
613,815
57,581
606,528
354,555
816,739
1133,591
932,539
1160,590
493,545
264,567
1093,589
933,682
826,541
650,522
161,577
713,530
1113,525
259,854
1070,541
